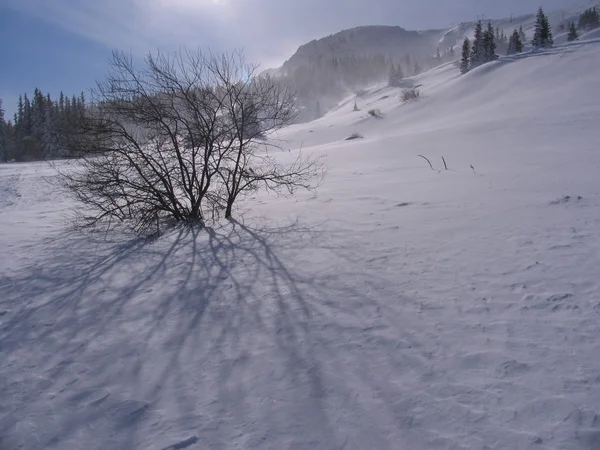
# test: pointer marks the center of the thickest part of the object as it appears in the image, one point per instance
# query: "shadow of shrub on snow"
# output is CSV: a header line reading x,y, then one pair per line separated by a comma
x,y
145,315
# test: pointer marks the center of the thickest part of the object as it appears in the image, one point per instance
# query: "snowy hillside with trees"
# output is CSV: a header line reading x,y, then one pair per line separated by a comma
x,y
400,306
325,70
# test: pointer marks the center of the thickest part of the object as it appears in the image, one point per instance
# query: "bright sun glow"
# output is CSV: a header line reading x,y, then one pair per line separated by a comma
x,y
190,5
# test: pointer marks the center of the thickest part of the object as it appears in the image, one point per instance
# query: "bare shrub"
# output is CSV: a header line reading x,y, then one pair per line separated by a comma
x,y
181,138
375,113
410,94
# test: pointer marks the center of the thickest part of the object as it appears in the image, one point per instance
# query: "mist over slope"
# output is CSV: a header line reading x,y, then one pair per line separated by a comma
x,y
394,42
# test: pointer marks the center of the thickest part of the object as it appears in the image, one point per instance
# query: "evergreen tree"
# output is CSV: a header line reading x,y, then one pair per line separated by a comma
x,y
477,49
510,50
515,45
82,100
20,111
38,113
466,53
67,114
519,44
573,35
75,109
542,36
50,147
489,44
27,117
522,35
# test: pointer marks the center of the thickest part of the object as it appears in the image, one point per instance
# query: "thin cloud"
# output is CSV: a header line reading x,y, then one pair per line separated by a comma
x,y
136,25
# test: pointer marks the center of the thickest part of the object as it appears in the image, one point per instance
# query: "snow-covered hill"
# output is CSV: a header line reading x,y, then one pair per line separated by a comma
x,y
316,71
398,308
396,42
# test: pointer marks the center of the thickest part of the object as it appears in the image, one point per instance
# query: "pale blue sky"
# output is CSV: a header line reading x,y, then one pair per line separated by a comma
x,y
64,44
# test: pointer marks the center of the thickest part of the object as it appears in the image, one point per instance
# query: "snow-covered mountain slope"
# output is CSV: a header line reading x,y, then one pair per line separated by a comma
x,y
398,308
394,42
324,70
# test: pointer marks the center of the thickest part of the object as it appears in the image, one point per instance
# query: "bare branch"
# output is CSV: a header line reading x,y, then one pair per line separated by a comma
x,y
181,137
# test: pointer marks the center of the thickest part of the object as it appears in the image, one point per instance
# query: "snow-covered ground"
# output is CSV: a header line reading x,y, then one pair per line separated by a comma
x,y
398,308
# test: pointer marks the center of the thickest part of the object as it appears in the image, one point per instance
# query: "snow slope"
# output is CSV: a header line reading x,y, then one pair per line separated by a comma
x,y
398,308
560,17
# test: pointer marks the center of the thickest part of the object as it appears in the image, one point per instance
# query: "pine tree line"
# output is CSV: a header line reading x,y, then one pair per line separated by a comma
x,y
482,50
38,126
486,44
589,19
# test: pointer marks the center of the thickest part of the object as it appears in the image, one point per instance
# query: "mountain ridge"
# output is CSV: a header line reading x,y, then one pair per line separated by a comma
x,y
557,17
325,70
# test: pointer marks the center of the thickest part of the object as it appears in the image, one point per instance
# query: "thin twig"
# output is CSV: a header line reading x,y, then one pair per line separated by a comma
x,y
445,165
430,165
